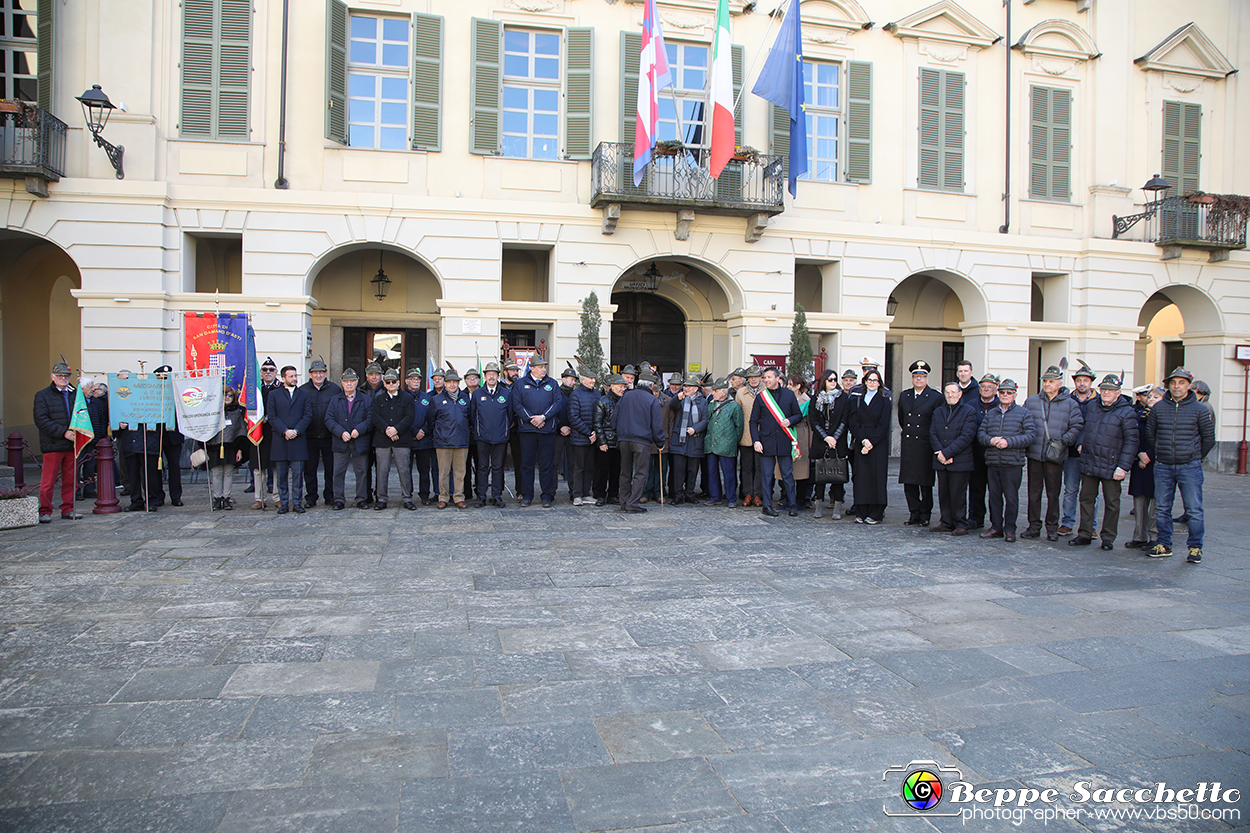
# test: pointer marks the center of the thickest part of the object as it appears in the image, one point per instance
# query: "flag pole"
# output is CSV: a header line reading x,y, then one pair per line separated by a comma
x,y
773,18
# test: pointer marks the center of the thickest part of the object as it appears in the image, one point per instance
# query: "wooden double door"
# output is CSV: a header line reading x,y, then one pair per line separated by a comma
x,y
647,327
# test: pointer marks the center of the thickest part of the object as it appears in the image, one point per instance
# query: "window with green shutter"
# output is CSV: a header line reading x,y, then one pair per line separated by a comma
x,y
216,68
486,86
941,129
1050,144
46,15
336,71
1182,145
858,121
631,50
427,82
579,93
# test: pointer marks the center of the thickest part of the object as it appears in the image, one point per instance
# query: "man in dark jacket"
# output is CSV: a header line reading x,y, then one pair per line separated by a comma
x,y
350,424
581,422
371,389
561,457
915,465
169,444
986,398
1083,394
688,418
1182,432
539,406
320,443
608,452
953,433
1108,447
289,411
772,431
422,457
448,424
392,414
1005,433
639,425
1059,421
491,412
54,406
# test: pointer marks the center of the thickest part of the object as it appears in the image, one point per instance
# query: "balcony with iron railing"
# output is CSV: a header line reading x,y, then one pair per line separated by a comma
x,y
32,145
1214,222
752,185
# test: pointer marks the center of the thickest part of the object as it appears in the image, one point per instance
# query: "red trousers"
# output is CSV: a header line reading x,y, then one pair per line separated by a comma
x,y
57,463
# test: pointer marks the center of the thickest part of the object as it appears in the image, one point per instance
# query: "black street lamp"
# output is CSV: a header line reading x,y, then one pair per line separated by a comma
x,y
381,283
1154,190
96,109
651,278
891,305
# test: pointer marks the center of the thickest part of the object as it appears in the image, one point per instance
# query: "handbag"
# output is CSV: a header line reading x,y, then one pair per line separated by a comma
x,y
830,470
198,458
1053,451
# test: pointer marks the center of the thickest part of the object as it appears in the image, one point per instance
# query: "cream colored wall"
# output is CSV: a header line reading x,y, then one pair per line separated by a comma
x,y
1167,325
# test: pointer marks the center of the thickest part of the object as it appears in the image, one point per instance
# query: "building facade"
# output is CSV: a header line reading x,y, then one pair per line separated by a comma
x,y
966,163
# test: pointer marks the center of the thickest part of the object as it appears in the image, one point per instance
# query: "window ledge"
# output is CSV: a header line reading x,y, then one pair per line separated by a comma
x,y
939,191
1044,201
204,140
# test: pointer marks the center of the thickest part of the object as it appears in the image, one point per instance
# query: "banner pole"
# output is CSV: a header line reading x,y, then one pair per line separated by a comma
x,y
208,470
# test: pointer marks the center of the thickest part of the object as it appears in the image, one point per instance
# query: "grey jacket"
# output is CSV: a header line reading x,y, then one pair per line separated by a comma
x,y
1062,415
1016,425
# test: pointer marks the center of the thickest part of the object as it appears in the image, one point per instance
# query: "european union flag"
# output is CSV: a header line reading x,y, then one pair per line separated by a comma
x,y
781,82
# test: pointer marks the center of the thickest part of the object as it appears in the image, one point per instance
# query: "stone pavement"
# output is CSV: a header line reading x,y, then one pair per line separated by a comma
x,y
691,670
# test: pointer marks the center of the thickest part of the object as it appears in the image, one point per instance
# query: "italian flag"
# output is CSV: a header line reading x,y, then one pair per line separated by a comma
x,y
722,92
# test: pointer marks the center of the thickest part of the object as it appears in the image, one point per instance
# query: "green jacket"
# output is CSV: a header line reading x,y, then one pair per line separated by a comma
x,y
724,428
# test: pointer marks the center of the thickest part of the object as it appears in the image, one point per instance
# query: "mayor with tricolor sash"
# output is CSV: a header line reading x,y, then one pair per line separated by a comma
x,y
773,418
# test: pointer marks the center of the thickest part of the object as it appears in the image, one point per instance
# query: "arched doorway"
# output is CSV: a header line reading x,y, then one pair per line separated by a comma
x,y
646,326
352,326
927,325
1181,328
41,322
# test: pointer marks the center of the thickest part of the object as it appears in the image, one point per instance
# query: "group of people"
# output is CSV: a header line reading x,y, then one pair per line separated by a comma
x,y
626,440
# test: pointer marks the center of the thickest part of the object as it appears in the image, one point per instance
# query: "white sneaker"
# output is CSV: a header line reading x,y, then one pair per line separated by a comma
x,y
577,501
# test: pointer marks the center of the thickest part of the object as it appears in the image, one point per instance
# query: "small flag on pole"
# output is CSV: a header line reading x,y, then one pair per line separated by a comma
x,y
80,423
251,399
653,76
722,93
781,82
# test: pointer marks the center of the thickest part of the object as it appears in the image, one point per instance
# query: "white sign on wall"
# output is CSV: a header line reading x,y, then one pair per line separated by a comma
x,y
471,325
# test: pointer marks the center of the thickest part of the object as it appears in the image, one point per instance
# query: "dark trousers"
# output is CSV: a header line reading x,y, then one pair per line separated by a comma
x,y
722,479
1049,475
952,487
490,469
426,465
356,460
919,501
749,471
320,453
514,450
562,459
685,477
1089,505
635,464
538,449
173,465
1004,496
290,477
607,474
768,467
369,472
470,467
977,484
582,470
142,465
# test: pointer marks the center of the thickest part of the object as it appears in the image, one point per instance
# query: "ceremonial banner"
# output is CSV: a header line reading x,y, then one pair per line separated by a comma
x,y
80,423
781,82
653,76
721,93
217,340
199,401
133,400
251,399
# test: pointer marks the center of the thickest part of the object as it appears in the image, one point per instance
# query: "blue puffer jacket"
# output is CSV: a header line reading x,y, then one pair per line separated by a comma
x,y
448,419
1016,426
581,415
492,414
953,432
1109,439
531,398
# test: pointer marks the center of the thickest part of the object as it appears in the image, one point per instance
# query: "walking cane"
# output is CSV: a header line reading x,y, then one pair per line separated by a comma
x,y
661,475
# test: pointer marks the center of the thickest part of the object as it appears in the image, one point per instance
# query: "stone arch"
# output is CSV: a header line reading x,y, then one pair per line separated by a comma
x,y
928,324
972,300
1058,38
335,252
1178,322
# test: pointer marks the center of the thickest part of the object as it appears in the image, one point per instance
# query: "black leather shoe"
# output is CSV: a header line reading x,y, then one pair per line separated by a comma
x,y
379,506
794,513
176,502
912,521
299,510
1080,541
1107,545
546,503
309,504
338,504
601,501
360,504
480,504
134,507
1031,533
1052,536
282,510
497,501
251,487
637,510
410,506
770,512
525,502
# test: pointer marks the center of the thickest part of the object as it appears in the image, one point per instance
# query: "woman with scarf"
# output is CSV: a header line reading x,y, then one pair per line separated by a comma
x,y
828,413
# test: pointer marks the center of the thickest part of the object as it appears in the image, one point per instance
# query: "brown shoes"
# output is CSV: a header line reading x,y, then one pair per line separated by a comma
x,y
442,504
1065,530
993,533
959,530
940,528
459,504
1009,537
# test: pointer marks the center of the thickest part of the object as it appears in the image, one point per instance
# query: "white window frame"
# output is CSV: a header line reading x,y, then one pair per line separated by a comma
x,y
380,73
10,44
836,112
666,128
535,143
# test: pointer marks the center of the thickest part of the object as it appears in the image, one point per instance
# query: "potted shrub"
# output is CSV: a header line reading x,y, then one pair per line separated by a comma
x,y
18,507
668,147
746,153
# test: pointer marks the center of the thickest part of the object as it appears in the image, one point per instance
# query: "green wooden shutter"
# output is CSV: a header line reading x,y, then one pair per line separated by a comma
x,y
486,86
579,93
858,121
779,132
941,129
427,82
737,55
44,52
1050,143
197,68
1182,145
631,52
234,69
336,71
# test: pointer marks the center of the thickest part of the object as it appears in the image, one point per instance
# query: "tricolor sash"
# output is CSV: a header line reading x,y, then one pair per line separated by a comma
x,y
773,409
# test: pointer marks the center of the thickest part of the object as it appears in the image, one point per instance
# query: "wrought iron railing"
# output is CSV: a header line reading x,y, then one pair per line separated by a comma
x,y
32,143
682,180
1187,221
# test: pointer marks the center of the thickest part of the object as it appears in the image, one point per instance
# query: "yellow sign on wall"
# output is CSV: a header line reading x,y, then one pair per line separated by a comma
x,y
695,367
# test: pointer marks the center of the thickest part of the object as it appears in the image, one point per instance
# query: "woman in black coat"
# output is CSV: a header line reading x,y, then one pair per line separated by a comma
x,y
870,426
828,414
